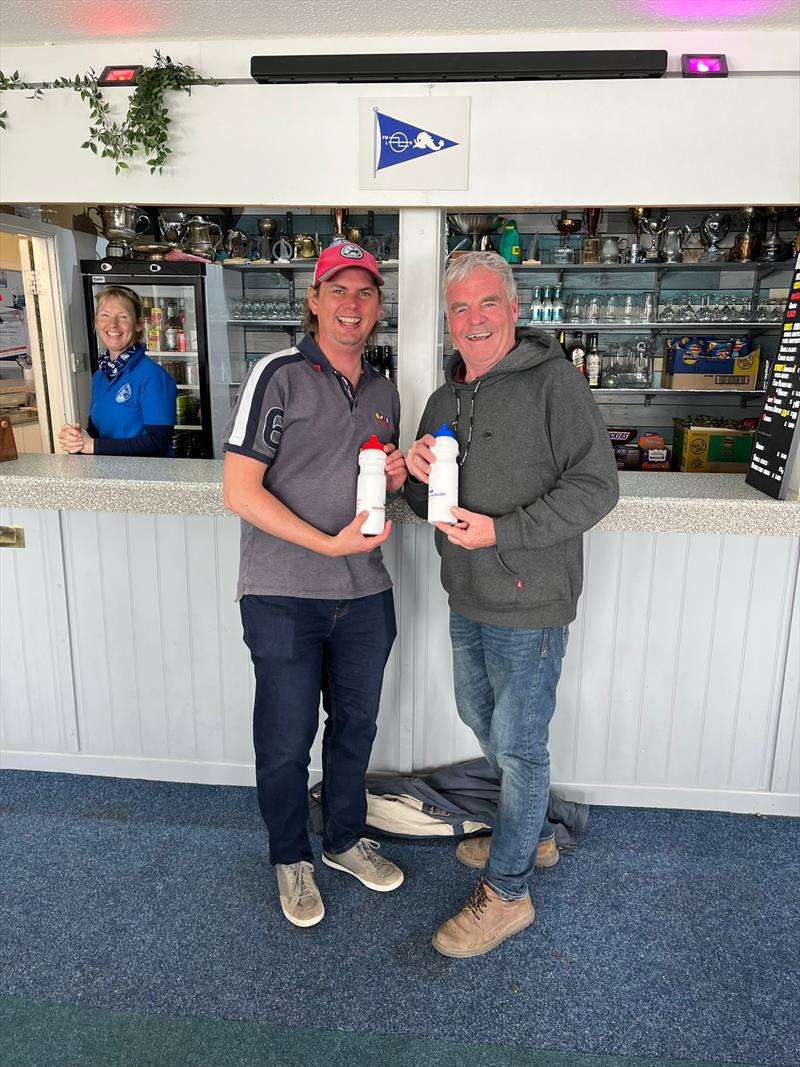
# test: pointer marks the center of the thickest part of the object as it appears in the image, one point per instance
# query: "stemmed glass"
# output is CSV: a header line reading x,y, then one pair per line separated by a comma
x,y
669,312
686,312
743,313
705,313
725,311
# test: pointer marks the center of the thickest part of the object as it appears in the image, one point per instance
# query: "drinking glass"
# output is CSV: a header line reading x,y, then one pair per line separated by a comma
x,y
648,308
577,308
775,308
743,312
612,308
725,311
762,311
686,312
705,313
669,312
594,309
630,309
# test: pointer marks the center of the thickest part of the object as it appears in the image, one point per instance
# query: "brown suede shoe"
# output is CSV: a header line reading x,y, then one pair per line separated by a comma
x,y
483,923
474,852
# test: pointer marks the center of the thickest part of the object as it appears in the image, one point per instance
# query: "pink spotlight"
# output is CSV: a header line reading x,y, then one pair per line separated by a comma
x,y
704,66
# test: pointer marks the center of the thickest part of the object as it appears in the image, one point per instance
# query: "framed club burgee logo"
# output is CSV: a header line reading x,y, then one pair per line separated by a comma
x,y
415,142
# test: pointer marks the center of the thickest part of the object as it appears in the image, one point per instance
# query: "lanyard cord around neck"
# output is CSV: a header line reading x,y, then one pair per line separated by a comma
x,y
462,458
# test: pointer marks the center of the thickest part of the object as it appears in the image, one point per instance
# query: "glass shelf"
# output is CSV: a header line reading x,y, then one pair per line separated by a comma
x,y
649,268
296,265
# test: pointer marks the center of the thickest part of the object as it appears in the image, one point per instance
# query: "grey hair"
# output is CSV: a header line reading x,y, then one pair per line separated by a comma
x,y
461,267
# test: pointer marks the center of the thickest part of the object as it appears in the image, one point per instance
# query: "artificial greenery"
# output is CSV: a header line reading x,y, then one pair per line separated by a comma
x,y
145,129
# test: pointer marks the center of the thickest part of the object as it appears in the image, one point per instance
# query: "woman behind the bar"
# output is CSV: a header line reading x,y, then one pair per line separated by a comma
x,y
132,411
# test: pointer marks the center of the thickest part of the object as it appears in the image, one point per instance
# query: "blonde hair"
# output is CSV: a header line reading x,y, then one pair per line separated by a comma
x,y
127,296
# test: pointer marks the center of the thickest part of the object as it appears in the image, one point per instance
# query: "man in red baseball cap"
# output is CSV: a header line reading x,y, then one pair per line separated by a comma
x,y
343,255
315,597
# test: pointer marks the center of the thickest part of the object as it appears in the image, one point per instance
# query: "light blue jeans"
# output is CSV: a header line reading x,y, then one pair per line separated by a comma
x,y
505,685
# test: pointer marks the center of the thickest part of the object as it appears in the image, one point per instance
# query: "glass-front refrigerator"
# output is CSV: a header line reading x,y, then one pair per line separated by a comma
x,y
185,319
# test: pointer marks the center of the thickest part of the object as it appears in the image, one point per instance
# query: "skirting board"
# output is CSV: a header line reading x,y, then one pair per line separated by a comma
x,y
742,802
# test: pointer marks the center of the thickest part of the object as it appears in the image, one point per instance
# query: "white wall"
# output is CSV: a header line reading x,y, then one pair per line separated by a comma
x,y
667,141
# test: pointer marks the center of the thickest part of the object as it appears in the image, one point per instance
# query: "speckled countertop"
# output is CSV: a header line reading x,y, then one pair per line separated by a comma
x,y
649,502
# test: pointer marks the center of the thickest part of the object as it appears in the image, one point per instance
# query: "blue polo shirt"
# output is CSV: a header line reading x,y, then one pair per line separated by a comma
x,y
142,394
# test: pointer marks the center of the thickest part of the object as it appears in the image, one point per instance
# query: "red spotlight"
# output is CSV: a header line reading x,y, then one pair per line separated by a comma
x,y
119,75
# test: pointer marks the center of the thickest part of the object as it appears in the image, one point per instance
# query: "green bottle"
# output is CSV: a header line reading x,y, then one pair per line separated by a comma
x,y
509,243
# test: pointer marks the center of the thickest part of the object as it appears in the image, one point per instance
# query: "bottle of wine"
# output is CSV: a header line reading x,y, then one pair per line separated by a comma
x,y
593,361
577,353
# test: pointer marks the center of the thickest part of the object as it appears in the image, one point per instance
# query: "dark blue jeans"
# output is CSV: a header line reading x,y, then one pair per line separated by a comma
x,y
505,685
300,648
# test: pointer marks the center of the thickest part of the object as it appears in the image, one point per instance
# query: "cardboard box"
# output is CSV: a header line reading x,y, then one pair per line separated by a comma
x,y
720,373
711,449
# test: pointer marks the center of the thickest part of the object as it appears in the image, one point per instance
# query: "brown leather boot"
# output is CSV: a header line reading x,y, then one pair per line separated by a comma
x,y
474,852
483,923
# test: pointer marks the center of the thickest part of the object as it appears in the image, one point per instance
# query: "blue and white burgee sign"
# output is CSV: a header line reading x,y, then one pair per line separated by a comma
x,y
414,143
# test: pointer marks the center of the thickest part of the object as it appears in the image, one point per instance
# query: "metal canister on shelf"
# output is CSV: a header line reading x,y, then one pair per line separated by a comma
x,y
171,339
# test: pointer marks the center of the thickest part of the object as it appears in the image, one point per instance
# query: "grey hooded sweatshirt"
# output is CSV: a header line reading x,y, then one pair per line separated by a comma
x,y
541,464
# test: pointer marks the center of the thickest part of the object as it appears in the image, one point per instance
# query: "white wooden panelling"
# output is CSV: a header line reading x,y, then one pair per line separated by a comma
x,y
672,678
680,686
786,774
37,701
162,671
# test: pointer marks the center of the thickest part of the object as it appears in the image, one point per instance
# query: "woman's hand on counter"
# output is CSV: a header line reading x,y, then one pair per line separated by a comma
x,y
73,439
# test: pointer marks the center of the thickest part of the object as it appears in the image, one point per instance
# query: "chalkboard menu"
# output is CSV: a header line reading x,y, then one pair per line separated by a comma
x,y
777,437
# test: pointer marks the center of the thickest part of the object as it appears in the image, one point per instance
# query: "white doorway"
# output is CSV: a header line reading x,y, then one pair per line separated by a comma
x,y
51,383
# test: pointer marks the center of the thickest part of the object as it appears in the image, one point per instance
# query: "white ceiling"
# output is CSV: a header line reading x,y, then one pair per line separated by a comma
x,y
65,21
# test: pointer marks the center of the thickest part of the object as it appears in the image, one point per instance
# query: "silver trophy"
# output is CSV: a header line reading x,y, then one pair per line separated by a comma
x,y
654,225
713,229
174,228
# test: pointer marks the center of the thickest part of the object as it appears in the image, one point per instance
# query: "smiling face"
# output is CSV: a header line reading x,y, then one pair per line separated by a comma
x,y
116,324
481,318
347,308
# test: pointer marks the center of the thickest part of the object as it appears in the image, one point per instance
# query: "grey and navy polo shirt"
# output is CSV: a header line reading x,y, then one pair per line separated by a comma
x,y
306,423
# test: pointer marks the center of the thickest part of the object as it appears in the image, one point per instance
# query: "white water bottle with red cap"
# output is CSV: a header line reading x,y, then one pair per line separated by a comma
x,y
443,479
371,487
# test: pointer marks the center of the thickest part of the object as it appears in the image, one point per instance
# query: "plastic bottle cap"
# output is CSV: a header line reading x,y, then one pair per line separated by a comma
x,y
372,443
444,431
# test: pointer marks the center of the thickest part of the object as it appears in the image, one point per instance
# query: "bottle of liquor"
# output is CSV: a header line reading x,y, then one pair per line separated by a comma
x,y
593,361
547,306
558,307
386,362
577,353
536,304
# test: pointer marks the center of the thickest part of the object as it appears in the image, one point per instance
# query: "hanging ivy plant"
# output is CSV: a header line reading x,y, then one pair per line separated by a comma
x,y
145,129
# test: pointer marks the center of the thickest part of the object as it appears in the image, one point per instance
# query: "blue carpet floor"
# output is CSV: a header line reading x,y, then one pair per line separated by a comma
x,y
670,937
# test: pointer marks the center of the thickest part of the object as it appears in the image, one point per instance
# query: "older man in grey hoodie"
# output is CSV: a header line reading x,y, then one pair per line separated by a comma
x,y
536,472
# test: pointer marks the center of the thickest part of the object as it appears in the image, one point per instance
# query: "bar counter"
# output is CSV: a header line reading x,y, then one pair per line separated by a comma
x,y
122,647
649,502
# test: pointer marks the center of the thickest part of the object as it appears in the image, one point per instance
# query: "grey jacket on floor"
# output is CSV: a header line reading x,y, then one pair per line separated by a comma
x,y
541,464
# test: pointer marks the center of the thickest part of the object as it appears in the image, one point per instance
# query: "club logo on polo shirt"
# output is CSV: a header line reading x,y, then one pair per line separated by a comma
x,y
273,428
124,394
351,252
380,417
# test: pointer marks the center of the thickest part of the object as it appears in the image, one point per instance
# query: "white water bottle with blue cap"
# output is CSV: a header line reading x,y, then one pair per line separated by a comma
x,y
443,479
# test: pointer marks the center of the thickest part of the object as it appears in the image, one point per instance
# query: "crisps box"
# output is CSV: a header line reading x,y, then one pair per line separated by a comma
x,y
684,371
709,450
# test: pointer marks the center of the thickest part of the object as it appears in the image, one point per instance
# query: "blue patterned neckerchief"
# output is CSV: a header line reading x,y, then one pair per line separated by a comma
x,y
113,367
